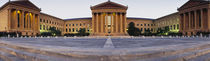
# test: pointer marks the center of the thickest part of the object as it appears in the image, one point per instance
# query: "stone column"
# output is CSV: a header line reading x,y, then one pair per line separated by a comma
x,y
189,21
15,19
106,23
102,21
184,21
125,23
97,23
33,22
28,21
22,20
121,23
112,20
9,19
195,21
117,20
208,19
201,19
38,22
93,22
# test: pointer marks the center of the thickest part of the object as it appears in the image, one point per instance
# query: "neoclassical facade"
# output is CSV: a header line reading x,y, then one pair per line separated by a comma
x,y
21,17
109,18
195,17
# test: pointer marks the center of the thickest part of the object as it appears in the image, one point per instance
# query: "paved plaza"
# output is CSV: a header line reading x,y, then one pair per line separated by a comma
x,y
111,48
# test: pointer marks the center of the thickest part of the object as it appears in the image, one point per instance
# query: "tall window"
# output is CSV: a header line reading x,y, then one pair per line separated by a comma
x,y
29,21
18,20
40,27
24,21
108,18
69,29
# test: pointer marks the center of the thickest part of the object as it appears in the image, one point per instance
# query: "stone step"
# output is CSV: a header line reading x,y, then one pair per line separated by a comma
x,y
179,57
10,57
4,58
40,57
20,54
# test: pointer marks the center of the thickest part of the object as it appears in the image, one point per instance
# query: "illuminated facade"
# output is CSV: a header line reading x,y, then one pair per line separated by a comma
x,y
195,17
108,18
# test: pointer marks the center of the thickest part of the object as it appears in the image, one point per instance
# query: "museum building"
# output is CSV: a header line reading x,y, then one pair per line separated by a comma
x,y
108,18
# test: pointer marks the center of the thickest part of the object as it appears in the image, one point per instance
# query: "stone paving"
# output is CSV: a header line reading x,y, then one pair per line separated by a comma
x,y
115,48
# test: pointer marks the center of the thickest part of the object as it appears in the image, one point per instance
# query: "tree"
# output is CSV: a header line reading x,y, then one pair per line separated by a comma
x,y
54,32
82,32
132,30
148,32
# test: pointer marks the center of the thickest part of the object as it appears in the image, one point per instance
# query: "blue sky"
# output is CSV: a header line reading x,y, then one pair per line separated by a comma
x,y
81,8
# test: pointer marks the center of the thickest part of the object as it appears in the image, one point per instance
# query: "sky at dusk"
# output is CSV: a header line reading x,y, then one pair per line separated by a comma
x,y
66,9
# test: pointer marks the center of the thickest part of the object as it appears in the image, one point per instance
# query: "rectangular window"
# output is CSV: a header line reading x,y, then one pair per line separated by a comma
x,y
40,27
177,26
174,27
43,27
40,20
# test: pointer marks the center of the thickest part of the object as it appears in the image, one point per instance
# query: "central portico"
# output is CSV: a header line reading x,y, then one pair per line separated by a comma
x,y
109,18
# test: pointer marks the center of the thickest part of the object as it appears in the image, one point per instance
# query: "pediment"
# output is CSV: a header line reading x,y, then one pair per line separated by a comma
x,y
193,3
109,5
27,4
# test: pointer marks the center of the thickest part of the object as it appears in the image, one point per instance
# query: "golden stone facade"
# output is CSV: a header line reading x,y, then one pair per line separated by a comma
x,y
108,18
20,18
195,17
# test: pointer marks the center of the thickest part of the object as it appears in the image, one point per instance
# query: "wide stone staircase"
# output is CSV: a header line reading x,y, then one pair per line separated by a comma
x,y
17,53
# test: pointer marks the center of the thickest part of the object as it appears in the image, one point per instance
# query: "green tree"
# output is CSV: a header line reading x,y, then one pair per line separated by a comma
x,y
54,32
148,32
132,30
82,32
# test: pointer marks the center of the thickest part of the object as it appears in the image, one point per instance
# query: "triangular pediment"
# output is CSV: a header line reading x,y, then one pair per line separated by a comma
x,y
109,5
193,3
26,4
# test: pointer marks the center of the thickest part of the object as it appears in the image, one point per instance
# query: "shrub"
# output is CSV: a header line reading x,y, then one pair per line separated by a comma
x,y
46,34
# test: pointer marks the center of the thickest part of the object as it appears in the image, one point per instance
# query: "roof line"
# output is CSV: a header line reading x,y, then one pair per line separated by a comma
x,y
50,15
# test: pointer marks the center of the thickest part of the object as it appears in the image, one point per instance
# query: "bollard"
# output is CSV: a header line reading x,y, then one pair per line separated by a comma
x,y
153,36
8,35
64,37
162,37
177,36
170,36
17,35
48,36
143,36
56,36
201,35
